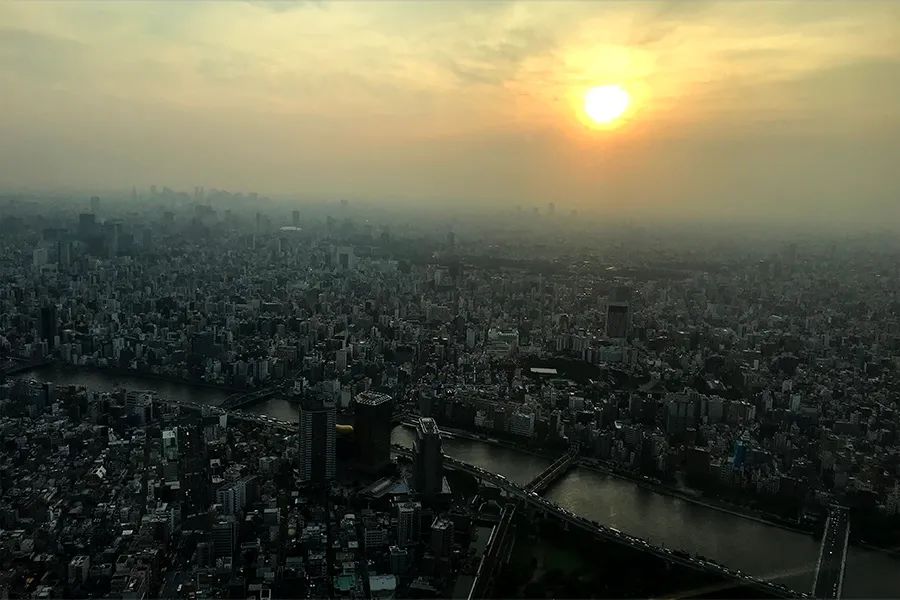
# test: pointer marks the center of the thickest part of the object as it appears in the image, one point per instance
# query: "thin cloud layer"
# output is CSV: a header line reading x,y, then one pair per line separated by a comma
x,y
735,102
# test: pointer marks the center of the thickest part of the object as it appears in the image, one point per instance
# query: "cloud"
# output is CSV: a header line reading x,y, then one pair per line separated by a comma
x,y
452,99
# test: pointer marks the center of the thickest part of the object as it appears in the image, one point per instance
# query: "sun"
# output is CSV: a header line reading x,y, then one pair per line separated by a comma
x,y
606,103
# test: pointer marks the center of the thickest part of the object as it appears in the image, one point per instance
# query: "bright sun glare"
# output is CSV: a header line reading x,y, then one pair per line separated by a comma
x,y
606,103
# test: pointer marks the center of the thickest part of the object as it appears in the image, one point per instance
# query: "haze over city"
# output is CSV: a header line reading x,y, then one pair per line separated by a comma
x,y
464,300
758,111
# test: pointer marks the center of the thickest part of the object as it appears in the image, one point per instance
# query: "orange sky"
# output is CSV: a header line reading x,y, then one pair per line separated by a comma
x,y
739,107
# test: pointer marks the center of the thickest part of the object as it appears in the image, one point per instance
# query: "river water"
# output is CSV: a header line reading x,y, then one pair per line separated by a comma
x,y
753,547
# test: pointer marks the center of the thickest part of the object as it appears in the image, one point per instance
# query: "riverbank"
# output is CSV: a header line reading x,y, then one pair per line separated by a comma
x,y
68,367
723,507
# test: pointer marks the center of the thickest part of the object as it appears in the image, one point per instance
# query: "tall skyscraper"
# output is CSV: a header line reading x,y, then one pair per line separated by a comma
x,y
317,439
48,324
295,218
224,536
372,429
617,318
441,537
409,515
170,443
429,458
87,225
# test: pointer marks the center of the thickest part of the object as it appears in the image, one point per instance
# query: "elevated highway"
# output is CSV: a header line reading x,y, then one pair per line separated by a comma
x,y
611,534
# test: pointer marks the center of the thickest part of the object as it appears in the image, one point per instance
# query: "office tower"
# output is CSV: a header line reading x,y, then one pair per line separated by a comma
x,y
39,257
372,415
441,537
224,536
408,517
295,218
618,313
48,325
95,204
617,319
317,439
193,468
679,414
235,496
343,258
170,443
399,560
87,224
429,459
64,253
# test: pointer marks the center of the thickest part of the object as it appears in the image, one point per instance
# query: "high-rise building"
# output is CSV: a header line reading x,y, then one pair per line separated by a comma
x,y
295,218
429,458
48,324
617,319
87,224
224,536
441,537
317,439
170,443
344,259
95,204
409,515
64,253
372,415
618,313
235,496
679,414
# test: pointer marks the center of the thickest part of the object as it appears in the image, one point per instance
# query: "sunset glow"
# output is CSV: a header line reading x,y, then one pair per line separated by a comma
x,y
605,104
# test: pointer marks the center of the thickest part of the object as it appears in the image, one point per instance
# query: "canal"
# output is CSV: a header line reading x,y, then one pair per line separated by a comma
x,y
753,547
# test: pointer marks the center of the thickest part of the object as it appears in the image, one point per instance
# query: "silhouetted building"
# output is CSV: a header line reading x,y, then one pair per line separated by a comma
x,y
87,225
224,537
429,458
48,324
617,319
317,439
372,429
441,537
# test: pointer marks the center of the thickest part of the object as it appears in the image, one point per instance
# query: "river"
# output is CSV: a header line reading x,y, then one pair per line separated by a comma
x,y
754,547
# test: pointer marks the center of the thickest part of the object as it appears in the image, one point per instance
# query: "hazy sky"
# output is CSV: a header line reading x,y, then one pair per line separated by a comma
x,y
739,107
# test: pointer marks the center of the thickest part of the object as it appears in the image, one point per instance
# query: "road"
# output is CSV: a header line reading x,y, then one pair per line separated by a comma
x,y
833,555
611,534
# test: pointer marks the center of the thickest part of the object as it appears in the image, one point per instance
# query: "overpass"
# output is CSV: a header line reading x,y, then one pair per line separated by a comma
x,y
551,474
21,365
570,519
242,399
829,581
499,547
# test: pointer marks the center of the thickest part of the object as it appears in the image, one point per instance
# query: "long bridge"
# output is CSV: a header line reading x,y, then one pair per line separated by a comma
x,y
551,474
829,580
570,519
21,365
242,399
